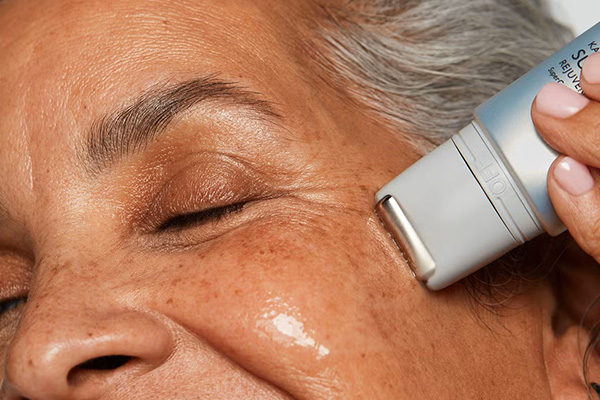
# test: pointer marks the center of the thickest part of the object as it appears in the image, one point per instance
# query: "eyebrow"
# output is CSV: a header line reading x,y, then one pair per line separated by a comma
x,y
129,130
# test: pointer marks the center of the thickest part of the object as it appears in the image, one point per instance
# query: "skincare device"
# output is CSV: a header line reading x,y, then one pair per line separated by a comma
x,y
484,191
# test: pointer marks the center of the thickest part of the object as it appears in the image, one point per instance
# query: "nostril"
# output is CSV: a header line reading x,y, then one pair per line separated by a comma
x,y
96,365
104,363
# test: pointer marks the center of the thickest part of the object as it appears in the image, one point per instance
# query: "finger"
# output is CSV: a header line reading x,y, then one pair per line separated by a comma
x,y
568,122
590,77
575,194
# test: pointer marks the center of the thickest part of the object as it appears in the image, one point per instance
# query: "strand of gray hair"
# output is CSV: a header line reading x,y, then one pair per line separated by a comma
x,y
424,65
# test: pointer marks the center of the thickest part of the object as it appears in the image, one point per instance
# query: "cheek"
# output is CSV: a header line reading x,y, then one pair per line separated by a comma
x,y
280,300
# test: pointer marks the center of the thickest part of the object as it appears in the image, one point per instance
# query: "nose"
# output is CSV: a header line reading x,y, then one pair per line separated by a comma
x,y
83,358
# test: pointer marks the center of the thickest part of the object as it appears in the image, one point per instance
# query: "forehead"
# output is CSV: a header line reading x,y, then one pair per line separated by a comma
x,y
60,51
65,63
110,30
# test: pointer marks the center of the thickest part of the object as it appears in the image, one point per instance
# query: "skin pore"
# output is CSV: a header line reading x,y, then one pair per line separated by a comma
x,y
235,252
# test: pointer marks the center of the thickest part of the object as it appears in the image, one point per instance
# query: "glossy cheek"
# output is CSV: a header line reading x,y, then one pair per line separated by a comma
x,y
281,323
279,300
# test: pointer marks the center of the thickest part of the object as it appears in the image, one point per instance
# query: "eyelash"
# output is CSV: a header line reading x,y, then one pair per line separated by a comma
x,y
11,304
213,215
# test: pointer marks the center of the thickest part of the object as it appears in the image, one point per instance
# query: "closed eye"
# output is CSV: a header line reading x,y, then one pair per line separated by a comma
x,y
8,305
201,217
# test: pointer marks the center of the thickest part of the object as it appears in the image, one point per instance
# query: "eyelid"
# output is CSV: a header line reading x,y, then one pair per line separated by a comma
x,y
11,304
15,277
178,240
201,217
15,273
206,184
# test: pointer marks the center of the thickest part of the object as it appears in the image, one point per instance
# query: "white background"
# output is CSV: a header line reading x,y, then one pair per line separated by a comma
x,y
578,14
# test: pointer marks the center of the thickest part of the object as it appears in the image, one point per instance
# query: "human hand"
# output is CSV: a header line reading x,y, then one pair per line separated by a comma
x,y
570,123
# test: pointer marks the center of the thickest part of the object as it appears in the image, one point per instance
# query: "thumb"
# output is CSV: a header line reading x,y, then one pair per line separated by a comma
x,y
575,194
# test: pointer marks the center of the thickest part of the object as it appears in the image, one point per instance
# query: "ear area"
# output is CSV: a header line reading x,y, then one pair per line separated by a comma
x,y
564,360
572,324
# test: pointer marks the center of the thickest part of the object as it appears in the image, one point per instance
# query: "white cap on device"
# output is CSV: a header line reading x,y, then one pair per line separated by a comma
x,y
450,217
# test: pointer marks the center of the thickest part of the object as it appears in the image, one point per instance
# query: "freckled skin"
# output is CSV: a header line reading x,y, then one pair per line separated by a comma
x,y
199,321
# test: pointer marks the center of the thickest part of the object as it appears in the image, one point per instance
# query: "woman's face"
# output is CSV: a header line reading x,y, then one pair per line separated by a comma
x,y
188,207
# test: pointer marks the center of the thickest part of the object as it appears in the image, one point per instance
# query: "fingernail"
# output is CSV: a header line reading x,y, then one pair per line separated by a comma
x,y
559,101
573,177
591,69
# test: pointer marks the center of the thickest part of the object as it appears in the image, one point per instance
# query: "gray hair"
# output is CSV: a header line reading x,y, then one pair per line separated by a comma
x,y
424,65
